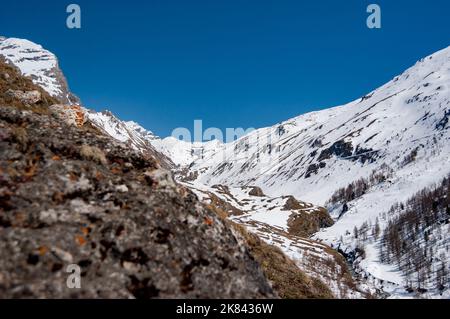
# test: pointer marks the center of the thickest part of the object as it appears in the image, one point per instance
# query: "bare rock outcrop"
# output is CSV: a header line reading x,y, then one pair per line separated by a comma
x,y
71,114
26,97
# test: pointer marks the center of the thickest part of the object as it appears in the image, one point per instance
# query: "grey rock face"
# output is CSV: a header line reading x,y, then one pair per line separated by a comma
x,y
66,96
70,195
26,97
71,114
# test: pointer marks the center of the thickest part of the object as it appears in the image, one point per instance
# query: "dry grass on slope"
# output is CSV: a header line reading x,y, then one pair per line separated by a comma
x,y
287,279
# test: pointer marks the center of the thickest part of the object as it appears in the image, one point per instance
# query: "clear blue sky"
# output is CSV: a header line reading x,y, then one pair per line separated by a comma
x,y
232,63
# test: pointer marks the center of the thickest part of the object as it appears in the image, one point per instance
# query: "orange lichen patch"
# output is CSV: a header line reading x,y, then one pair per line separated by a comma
x,y
42,250
80,240
72,114
56,158
98,176
31,170
58,197
73,177
208,221
19,217
116,170
85,231
79,115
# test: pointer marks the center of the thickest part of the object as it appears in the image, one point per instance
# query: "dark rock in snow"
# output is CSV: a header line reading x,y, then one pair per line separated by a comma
x,y
256,191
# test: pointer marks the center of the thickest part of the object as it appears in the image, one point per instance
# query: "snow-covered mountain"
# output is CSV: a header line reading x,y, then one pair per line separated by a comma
x,y
179,154
391,143
326,150
395,141
357,160
41,65
128,132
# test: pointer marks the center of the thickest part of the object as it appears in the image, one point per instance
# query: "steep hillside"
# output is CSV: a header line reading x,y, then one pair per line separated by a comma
x,y
286,223
417,240
329,149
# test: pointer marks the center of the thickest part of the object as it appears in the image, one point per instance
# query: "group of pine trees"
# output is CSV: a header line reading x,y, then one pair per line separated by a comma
x,y
359,187
416,237
413,238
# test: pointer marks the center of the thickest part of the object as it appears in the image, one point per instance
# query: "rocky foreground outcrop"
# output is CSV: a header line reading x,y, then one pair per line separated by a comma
x,y
70,195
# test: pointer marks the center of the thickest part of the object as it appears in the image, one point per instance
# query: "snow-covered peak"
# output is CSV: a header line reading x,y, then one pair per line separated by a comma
x,y
126,132
39,64
148,135
110,124
426,76
184,153
130,133
305,149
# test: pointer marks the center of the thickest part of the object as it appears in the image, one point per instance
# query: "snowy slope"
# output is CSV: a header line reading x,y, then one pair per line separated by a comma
x,y
270,219
39,64
120,130
314,155
313,151
130,133
185,153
